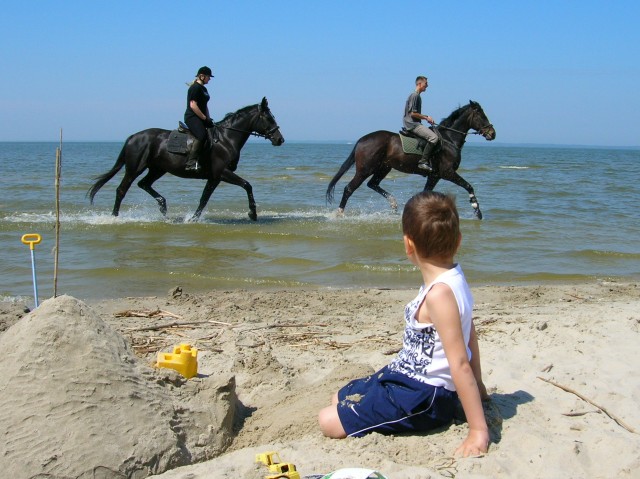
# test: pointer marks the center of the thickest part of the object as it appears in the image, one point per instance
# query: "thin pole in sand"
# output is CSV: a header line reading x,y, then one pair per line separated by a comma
x,y
57,248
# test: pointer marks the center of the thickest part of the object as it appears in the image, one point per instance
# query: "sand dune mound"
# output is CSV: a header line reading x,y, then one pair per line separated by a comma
x,y
73,394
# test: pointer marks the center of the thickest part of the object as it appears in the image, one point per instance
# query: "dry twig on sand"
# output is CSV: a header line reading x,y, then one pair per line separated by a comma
x,y
603,409
146,313
175,324
284,325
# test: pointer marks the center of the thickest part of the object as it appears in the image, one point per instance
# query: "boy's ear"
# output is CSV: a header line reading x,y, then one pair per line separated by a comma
x,y
409,246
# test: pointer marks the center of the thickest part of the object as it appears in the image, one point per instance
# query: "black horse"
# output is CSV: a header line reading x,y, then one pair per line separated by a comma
x,y
147,149
378,152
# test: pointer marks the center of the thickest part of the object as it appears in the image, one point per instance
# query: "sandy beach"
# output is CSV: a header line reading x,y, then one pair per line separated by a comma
x,y
79,397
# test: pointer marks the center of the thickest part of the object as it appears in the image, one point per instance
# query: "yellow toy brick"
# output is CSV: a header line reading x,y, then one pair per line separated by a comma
x,y
184,359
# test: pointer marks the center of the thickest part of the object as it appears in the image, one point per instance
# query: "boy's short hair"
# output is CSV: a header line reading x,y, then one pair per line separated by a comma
x,y
420,78
430,219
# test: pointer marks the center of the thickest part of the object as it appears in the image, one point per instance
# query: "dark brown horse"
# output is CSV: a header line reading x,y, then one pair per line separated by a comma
x,y
147,149
377,153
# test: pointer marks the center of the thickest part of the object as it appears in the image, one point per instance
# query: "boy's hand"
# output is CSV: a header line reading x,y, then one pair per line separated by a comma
x,y
476,443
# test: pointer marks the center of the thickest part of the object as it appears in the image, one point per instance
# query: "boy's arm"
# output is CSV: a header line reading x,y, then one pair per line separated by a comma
x,y
443,312
475,362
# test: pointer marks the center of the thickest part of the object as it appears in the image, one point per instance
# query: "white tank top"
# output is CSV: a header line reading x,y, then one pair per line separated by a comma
x,y
422,356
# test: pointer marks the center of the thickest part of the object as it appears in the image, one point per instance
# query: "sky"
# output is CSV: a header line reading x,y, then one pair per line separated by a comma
x,y
545,72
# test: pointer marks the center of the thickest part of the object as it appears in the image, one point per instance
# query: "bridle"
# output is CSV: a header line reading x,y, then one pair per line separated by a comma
x,y
481,131
268,135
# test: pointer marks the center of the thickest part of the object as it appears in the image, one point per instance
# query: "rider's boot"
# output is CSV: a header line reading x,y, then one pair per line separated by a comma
x,y
425,161
192,161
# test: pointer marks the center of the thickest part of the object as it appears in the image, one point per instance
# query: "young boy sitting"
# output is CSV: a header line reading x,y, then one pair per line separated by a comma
x,y
440,357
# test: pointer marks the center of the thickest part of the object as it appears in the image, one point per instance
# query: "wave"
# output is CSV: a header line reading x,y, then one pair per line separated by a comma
x,y
605,254
144,216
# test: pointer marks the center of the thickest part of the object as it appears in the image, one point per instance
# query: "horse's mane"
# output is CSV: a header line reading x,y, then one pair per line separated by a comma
x,y
451,119
240,112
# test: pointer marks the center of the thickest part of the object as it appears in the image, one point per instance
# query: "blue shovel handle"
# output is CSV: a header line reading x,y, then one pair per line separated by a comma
x,y
33,239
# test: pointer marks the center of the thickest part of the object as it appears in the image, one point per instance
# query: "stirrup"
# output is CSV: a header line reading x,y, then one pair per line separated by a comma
x,y
192,167
425,165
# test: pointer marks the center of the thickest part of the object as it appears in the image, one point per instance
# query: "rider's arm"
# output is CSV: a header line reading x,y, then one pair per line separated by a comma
x,y
418,116
194,107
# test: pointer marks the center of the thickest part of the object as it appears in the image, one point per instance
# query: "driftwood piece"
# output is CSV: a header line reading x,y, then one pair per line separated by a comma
x,y
603,409
146,313
580,413
282,325
175,324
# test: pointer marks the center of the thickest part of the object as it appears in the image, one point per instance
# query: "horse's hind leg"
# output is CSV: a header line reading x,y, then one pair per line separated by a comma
x,y
206,194
352,186
146,182
374,184
230,177
121,191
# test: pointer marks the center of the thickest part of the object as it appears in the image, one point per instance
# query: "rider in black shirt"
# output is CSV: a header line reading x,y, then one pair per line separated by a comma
x,y
197,116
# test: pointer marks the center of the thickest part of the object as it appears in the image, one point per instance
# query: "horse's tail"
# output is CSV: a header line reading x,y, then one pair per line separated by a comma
x,y
343,169
102,179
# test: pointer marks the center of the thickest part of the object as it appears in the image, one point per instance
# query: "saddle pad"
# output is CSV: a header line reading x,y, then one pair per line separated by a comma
x,y
412,146
177,142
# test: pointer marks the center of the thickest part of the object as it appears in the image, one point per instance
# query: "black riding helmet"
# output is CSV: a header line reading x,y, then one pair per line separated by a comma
x,y
204,71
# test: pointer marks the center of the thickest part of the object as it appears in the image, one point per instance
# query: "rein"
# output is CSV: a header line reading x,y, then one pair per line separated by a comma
x,y
267,136
480,131
477,132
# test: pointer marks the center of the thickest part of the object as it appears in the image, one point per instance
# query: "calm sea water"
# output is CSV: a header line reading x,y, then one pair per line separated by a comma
x,y
550,214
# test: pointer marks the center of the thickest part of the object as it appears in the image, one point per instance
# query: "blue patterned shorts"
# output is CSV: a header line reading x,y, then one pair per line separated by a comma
x,y
389,402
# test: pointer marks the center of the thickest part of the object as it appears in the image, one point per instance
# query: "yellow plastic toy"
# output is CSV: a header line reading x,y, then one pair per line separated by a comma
x,y
268,458
184,359
282,470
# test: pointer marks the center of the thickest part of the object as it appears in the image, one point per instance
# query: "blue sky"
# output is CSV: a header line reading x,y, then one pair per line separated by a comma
x,y
549,72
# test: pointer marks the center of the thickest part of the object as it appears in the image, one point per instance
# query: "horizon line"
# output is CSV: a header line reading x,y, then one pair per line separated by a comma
x,y
353,142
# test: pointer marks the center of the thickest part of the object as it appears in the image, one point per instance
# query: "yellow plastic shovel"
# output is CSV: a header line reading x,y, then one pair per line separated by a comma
x,y
33,239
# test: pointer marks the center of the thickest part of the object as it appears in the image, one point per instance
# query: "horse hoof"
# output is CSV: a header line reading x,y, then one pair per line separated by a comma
x,y
253,216
479,214
340,212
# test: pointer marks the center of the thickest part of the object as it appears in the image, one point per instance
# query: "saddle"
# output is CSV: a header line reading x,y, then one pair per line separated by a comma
x,y
414,145
411,144
180,140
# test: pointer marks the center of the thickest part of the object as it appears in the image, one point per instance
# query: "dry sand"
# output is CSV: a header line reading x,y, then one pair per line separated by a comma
x,y
78,398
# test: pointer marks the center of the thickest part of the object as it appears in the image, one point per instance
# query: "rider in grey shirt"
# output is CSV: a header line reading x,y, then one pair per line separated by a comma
x,y
412,121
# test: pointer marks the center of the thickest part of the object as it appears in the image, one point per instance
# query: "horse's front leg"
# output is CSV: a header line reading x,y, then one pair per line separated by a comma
x,y
230,177
206,194
432,181
460,181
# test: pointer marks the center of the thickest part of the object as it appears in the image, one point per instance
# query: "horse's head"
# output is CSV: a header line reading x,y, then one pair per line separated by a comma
x,y
479,121
265,125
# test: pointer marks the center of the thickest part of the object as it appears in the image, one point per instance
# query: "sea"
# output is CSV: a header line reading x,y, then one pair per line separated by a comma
x,y
551,215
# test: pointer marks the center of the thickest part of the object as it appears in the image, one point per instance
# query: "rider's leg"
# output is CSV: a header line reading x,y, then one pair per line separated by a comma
x,y
199,131
192,160
425,161
432,139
